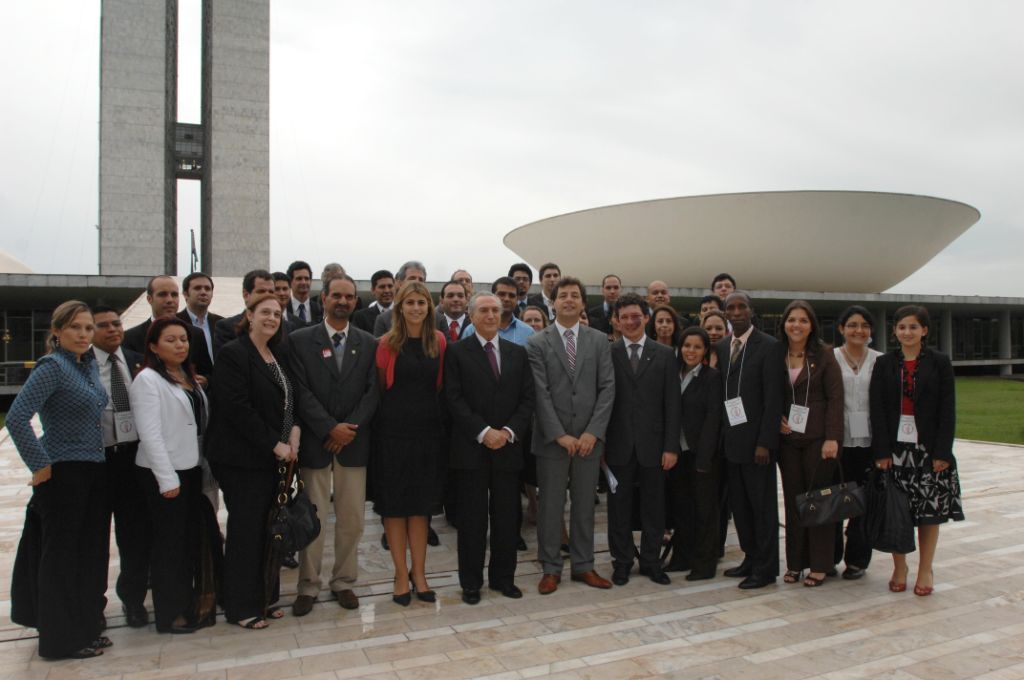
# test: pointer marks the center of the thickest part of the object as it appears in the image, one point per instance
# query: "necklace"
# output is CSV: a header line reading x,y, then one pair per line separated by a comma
x,y
853,364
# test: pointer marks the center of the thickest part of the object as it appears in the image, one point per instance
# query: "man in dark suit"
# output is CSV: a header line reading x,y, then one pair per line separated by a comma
x,y
550,273
643,440
382,285
489,385
600,316
303,307
451,312
283,293
336,385
162,296
413,270
521,273
751,420
198,290
126,501
575,385
226,330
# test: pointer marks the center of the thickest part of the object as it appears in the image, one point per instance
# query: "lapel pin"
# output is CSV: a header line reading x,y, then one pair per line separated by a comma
x,y
326,353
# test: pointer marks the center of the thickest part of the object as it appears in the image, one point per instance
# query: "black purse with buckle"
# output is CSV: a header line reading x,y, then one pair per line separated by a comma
x,y
831,504
293,522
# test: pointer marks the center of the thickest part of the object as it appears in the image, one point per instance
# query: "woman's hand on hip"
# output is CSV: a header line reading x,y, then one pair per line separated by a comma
x,y
41,475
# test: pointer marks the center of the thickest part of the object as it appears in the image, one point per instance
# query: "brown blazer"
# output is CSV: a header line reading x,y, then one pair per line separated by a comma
x,y
825,398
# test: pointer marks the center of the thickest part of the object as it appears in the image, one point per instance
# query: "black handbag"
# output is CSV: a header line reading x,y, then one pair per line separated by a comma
x,y
831,504
293,522
888,525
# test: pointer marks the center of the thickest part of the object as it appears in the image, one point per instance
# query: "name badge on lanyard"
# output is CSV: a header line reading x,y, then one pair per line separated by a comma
x,y
734,411
798,418
907,431
124,427
859,425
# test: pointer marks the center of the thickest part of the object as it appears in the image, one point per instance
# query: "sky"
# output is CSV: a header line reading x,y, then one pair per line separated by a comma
x,y
428,130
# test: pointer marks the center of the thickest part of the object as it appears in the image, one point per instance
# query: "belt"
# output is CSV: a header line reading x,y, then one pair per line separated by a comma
x,y
121,447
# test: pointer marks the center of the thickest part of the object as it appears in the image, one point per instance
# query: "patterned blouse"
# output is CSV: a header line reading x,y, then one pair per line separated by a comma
x,y
69,398
289,400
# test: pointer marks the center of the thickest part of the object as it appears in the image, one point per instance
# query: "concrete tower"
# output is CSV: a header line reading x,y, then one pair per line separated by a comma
x,y
144,150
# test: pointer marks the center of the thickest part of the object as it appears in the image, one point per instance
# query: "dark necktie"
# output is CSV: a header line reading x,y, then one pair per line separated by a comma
x,y
118,391
634,356
570,350
737,345
453,331
339,348
302,311
489,349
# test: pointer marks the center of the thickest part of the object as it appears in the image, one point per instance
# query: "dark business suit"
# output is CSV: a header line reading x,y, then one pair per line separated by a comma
x,y
752,487
442,325
364,318
327,397
569,402
226,330
644,424
314,312
600,318
247,411
211,321
198,354
477,400
694,480
537,300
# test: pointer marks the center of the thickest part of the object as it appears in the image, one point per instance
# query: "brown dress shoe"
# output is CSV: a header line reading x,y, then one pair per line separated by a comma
x,y
592,579
303,605
548,584
347,599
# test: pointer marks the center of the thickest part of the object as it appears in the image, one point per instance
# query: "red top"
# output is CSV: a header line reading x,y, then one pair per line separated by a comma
x,y
386,358
909,369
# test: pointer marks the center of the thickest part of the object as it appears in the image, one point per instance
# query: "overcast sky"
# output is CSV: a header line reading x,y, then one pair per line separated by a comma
x,y
429,129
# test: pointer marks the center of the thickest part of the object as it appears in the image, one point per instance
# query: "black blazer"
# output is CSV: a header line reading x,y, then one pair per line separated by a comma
x,y
761,391
647,410
211,319
198,355
442,325
476,400
226,330
702,415
934,404
327,397
246,408
537,300
363,319
598,319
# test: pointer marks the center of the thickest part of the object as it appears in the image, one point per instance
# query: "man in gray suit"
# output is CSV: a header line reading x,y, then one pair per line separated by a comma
x,y
575,385
336,389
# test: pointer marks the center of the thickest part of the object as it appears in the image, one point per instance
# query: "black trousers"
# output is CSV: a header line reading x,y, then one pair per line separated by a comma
x,y
695,513
71,507
649,482
176,524
487,494
126,503
755,511
804,469
248,494
856,463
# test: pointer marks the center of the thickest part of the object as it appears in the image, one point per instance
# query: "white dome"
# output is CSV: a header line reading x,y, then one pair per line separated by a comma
x,y
12,265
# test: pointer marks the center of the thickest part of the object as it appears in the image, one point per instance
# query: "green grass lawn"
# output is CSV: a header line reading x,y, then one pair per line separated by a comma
x,y
990,409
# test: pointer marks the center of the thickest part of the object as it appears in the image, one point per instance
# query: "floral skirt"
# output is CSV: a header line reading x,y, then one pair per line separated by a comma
x,y
934,498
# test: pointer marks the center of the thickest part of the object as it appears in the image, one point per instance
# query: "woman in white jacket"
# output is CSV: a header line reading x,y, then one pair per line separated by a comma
x,y
171,413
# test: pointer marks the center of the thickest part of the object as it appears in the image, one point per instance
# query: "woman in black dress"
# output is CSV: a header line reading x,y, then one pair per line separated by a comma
x,y
913,418
407,462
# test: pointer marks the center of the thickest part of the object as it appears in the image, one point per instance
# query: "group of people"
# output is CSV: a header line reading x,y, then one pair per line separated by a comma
x,y
462,407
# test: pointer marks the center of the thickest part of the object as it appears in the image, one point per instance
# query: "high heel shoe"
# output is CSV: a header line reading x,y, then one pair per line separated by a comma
x,y
405,598
422,595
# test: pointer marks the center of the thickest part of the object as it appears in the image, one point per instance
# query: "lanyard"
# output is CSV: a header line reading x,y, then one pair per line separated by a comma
x,y
739,381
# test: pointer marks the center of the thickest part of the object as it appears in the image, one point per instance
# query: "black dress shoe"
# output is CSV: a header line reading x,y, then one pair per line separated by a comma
x,y
521,545
432,538
289,561
700,575
751,582
620,576
742,570
511,590
135,616
656,575
677,565
470,596
852,573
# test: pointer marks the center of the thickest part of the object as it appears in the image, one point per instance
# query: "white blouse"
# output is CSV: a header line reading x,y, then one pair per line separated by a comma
x,y
856,397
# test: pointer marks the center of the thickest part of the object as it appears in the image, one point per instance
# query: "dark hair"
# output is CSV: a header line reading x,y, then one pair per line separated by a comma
x,y
814,340
630,299
712,298
698,331
853,310
249,280
521,267
723,277
916,311
677,324
104,309
149,284
281,276
449,283
296,266
187,281
566,282
503,281
611,276
150,358
331,278
252,304
380,274
546,266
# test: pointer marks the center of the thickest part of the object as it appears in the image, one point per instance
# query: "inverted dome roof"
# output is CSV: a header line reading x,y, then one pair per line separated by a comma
x,y
832,241
12,265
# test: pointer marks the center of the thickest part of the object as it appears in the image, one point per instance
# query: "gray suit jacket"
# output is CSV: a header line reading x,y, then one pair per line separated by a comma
x,y
326,397
571,403
382,324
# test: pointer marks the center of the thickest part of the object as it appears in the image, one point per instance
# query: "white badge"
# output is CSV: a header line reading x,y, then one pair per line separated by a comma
x,y
734,411
124,427
860,427
908,430
798,418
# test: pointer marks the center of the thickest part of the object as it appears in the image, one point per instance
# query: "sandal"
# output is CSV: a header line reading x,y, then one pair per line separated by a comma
x,y
924,591
812,582
84,653
255,623
897,587
102,642
792,576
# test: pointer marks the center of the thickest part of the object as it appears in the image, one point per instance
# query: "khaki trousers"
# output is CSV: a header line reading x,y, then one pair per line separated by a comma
x,y
349,485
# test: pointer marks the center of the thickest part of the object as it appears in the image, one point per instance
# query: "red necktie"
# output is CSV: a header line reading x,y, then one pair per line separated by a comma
x,y
453,331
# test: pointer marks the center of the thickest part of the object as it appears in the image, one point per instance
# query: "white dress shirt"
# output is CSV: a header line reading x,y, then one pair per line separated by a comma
x,y
103,363
497,356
